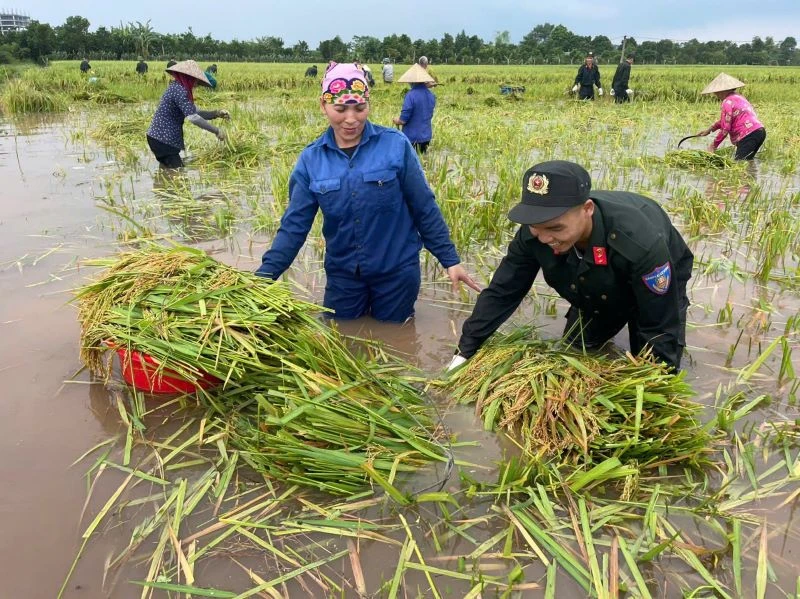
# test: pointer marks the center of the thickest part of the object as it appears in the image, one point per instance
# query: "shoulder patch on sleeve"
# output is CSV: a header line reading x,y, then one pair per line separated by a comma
x,y
659,279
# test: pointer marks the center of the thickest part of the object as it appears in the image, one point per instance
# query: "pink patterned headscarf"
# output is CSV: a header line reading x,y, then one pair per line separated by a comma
x,y
344,83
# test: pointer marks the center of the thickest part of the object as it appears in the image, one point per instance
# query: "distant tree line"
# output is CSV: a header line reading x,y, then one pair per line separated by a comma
x,y
544,44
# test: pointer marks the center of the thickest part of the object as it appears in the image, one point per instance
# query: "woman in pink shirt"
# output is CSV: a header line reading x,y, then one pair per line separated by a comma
x,y
738,119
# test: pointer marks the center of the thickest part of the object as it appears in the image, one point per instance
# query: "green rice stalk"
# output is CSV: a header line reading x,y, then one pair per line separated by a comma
x,y
294,400
576,411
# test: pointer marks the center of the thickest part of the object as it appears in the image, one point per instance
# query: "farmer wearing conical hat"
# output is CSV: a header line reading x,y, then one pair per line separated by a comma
x,y
165,135
737,120
613,255
417,112
378,210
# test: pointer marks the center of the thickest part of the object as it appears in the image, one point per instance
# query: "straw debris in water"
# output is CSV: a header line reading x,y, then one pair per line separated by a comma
x,y
698,159
295,400
578,410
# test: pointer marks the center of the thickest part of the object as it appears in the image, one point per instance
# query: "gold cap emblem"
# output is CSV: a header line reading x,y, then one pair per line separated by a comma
x,y
538,184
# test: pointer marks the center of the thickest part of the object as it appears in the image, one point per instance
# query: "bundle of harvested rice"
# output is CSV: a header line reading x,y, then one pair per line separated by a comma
x,y
698,159
579,410
295,400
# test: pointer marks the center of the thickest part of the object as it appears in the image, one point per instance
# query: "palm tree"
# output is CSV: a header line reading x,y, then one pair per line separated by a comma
x,y
143,36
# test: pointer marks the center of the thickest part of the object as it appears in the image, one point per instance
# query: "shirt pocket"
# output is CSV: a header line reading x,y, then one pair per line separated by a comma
x,y
326,191
382,190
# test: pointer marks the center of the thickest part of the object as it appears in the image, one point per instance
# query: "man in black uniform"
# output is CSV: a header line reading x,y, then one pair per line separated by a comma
x,y
311,71
588,76
141,66
614,255
85,66
171,62
620,83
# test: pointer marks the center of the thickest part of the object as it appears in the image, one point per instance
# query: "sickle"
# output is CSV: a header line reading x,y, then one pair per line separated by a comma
x,y
687,137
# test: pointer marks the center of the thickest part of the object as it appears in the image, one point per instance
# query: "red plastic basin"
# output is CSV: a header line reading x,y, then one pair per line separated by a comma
x,y
141,371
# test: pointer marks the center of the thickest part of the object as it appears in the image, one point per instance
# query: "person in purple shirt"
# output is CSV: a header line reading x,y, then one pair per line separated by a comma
x,y
418,105
378,210
165,135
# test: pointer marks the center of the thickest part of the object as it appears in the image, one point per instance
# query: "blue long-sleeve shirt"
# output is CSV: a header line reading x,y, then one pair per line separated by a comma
x,y
377,208
417,113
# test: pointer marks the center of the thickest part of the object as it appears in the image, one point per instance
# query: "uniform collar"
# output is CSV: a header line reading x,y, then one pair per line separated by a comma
x,y
597,239
330,141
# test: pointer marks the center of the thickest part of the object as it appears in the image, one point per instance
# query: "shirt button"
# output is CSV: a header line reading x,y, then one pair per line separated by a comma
x,y
573,287
351,165
597,311
581,279
604,297
358,246
353,194
613,236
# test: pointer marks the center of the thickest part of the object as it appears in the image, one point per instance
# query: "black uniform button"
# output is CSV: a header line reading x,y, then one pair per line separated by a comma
x,y
613,236
602,297
588,296
597,311
581,279
573,287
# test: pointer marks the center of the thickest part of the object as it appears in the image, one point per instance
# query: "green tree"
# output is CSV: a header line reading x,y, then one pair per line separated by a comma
x,y
143,37
334,49
73,36
787,51
447,48
37,41
367,48
300,50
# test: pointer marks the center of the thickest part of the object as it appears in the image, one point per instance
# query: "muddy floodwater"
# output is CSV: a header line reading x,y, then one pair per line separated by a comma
x,y
53,216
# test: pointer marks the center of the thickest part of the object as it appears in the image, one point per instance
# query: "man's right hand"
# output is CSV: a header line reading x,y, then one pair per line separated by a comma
x,y
221,135
457,361
574,88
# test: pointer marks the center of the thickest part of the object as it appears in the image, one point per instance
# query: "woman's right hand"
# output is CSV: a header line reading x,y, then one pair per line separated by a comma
x,y
704,132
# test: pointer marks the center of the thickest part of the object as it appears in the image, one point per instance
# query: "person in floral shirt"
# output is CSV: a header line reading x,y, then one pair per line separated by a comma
x,y
737,120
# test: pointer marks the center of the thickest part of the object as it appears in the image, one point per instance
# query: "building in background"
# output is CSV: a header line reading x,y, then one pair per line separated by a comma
x,y
13,21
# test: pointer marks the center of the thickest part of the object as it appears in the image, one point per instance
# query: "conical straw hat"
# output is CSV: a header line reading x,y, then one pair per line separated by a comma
x,y
191,68
721,83
416,74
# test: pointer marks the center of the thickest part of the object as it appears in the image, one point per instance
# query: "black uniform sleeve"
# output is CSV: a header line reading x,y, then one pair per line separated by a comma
x,y
579,76
597,76
615,82
511,282
658,315
622,76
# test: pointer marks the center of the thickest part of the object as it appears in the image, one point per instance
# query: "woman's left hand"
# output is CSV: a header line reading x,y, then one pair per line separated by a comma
x,y
458,275
711,148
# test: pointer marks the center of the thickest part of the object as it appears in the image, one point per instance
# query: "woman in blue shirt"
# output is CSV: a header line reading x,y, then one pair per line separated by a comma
x,y
165,135
378,210
418,105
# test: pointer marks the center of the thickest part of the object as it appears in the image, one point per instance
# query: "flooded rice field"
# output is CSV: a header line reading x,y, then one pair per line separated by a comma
x,y
68,196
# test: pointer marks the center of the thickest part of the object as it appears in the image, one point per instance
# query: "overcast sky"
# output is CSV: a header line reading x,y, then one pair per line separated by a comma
x,y
294,20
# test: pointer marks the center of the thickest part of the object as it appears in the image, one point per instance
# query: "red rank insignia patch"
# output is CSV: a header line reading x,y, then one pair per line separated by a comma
x,y
600,257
